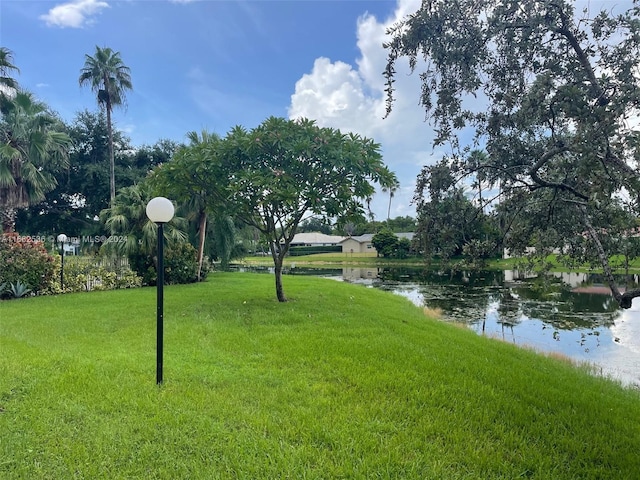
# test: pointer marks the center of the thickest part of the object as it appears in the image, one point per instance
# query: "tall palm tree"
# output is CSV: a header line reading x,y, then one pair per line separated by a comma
x,y
6,57
109,78
7,83
197,203
392,189
32,148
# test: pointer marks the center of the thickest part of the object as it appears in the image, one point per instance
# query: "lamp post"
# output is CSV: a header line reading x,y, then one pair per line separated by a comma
x,y
62,239
160,211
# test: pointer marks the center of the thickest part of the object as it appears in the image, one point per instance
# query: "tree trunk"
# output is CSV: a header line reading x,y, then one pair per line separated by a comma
x,y
8,219
201,238
278,252
623,299
279,289
112,167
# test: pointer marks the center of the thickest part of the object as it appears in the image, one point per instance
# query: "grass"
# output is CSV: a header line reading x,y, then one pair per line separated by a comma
x,y
340,382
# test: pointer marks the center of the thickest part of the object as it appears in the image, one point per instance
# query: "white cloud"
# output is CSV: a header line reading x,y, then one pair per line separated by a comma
x,y
127,128
352,98
333,94
75,14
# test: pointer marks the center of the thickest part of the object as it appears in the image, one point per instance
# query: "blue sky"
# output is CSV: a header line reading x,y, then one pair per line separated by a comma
x,y
194,64
210,64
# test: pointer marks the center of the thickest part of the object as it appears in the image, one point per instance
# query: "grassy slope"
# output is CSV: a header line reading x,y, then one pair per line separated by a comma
x,y
340,382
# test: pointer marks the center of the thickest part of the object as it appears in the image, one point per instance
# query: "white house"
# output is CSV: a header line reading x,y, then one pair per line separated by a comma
x,y
315,239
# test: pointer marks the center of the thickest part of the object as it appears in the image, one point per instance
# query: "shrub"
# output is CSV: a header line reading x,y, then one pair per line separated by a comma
x,y
24,261
180,265
297,251
403,248
389,245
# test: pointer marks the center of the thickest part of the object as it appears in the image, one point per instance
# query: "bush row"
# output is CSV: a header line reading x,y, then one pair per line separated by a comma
x,y
27,268
82,274
297,251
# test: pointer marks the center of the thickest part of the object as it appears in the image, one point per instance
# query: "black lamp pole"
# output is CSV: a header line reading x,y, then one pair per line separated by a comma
x,y
62,267
62,238
160,211
160,306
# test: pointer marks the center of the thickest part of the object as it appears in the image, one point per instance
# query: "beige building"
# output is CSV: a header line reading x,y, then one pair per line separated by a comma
x,y
362,243
358,244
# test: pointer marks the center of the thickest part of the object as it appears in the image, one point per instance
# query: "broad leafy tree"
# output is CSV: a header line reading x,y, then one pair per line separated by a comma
x,y
284,169
401,224
385,243
32,147
83,187
109,78
396,225
82,190
551,94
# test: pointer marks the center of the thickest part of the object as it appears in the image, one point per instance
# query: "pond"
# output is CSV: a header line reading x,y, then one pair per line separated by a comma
x,y
572,314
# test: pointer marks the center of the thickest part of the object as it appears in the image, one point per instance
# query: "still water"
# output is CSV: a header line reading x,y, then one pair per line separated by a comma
x,y
568,313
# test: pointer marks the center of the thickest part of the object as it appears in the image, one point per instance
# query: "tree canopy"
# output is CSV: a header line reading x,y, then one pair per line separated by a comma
x,y
82,190
447,220
32,148
284,169
552,95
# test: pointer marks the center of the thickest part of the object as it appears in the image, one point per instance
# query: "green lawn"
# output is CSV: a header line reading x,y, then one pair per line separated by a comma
x,y
340,382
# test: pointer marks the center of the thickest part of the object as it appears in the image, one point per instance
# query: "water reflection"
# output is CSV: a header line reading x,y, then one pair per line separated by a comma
x,y
568,313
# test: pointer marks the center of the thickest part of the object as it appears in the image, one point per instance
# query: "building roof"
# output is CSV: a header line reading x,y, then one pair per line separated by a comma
x,y
367,237
315,238
360,238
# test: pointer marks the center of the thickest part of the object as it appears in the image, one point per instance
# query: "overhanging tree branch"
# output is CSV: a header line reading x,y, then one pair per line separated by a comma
x,y
533,173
